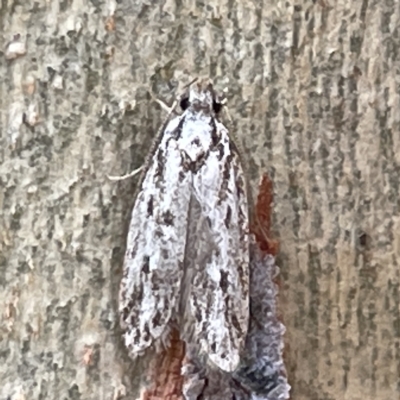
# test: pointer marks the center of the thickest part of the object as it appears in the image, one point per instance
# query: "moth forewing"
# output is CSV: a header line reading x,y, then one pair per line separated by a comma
x,y
219,295
155,247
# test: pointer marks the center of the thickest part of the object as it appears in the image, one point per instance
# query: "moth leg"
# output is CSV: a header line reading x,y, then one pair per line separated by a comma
x,y
126,176
169,110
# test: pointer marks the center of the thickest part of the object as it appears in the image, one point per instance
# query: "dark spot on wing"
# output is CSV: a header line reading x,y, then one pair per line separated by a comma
x,y
158,233
160,163
138,297
178,130
150,206
129,309
146,333
167,218
214,134
126,311
146,265
195,166
213,347
133,251
155,282
236,324
157,318
181,176
240,186
241,273
196,141
223,283
137,336
167,304
204,284
220,149
226,174
228,217
164,254
227,170
197,314
185,163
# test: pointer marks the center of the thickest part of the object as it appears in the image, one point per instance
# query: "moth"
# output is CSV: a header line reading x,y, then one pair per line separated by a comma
x,y
187,255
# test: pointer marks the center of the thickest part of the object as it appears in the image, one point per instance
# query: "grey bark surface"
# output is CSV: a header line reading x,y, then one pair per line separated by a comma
x,y
313,91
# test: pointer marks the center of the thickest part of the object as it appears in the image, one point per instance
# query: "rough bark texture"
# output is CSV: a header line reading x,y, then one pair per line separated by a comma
x,y
314,97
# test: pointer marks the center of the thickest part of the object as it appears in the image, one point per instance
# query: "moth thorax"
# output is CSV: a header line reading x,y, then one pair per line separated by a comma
x,y
201,100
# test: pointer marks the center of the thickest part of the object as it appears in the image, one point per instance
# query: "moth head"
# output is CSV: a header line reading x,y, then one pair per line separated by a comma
x,y
201,96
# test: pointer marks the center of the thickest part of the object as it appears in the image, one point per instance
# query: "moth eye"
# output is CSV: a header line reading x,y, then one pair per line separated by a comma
x,y
217,107
184,103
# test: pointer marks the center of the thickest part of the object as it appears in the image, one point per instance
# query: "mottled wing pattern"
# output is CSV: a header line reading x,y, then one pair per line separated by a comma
x,y
153,265
219,292
188,246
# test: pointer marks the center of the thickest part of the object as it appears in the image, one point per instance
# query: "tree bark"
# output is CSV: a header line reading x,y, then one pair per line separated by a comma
x,y
313,94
